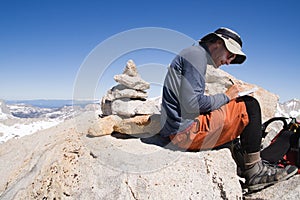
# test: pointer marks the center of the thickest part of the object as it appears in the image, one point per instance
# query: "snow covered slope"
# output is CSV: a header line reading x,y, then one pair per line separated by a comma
x,y
17,120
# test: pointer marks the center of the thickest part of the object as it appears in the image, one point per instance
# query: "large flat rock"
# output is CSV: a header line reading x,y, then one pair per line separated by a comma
x,y
63,163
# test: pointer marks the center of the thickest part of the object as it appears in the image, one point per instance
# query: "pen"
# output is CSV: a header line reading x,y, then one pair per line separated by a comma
x,y
231,81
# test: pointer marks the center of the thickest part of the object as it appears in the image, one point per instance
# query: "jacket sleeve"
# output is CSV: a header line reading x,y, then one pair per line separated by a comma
x,y
192,97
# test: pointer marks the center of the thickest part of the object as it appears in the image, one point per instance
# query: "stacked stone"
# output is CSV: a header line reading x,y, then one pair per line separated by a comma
x,y
129,97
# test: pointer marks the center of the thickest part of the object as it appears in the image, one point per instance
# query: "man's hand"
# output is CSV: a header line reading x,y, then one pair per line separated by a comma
x,y
233,91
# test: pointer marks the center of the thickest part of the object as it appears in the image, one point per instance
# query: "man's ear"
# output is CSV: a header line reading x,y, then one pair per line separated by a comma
x,y
219,42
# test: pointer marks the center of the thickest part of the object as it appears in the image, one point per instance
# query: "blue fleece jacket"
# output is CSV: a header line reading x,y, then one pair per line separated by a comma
x,y
183,96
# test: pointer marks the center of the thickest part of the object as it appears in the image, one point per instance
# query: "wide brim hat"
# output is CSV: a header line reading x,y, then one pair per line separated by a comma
x,y
232,42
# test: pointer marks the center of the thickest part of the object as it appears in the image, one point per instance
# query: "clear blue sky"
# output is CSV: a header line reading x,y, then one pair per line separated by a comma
x,y
43,43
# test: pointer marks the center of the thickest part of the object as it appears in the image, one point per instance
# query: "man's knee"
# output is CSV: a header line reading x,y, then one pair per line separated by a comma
x,y
251,103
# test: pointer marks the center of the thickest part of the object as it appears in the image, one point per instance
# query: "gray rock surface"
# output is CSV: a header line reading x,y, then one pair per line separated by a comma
x,y
63,163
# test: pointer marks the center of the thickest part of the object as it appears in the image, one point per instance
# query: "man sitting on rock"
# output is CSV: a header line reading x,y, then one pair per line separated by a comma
x,y
195,121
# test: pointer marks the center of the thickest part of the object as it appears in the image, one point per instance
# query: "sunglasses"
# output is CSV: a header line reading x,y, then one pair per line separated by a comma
x,y
231,56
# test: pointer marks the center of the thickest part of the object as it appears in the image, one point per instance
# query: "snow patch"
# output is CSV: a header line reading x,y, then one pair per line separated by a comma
x,y
19,130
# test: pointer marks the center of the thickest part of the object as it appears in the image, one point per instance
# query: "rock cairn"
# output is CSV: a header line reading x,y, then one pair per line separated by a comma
x,y
126,107
129,97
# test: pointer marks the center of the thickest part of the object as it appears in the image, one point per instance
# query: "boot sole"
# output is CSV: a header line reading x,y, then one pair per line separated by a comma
x,y
256,187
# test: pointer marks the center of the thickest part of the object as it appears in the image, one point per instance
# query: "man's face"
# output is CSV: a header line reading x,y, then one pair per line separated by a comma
x,y
221,56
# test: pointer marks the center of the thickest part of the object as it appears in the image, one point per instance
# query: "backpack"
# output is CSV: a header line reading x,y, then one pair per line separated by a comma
x,y
284,148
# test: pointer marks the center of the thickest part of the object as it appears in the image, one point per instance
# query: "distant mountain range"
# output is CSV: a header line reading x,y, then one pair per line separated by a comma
x,y
55,108
18,118
50,103
289,109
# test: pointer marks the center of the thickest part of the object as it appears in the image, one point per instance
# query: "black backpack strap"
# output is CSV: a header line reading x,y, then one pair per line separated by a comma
x,y
280,144
265,124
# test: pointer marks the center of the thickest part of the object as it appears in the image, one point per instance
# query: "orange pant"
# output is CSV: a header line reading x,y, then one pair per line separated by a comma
x,y
215,128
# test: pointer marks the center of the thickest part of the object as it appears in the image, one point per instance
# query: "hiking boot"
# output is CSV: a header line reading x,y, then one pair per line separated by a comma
x,y
237,154
263,174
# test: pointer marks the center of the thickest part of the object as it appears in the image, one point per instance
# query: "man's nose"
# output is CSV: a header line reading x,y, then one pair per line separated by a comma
x,y
228,61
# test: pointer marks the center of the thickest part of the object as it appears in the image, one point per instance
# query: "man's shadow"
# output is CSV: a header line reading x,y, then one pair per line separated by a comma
x,y
155,138
151,139
160,141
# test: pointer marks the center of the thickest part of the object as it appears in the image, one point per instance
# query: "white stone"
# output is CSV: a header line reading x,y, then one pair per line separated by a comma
x,y
129,108
133,82
130,69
